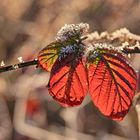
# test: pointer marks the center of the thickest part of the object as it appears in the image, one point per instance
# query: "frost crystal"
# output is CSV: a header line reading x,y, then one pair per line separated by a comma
x,y
94,48
15,66
94,55
129,55
2,64
66,50
20,59
137,45
104,34
71,30
70,49
120,33
124,45
105,46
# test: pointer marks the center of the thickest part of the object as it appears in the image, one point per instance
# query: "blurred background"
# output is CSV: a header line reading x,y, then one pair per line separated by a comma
x,y
27,112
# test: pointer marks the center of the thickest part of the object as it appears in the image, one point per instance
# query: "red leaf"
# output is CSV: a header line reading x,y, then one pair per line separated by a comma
x,y
68,82
48,55
112,83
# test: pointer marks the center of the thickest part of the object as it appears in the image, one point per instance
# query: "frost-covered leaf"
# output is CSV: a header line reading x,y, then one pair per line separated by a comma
x,y
68,81
67,38
112,83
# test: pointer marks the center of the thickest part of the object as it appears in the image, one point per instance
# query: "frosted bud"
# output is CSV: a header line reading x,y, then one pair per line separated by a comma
x,y
71,30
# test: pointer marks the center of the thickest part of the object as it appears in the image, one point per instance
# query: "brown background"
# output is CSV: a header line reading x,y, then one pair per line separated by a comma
x,y
26,26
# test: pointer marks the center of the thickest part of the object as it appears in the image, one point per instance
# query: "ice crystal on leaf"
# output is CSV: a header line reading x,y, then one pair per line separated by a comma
x,y
99,46
65,51
77,49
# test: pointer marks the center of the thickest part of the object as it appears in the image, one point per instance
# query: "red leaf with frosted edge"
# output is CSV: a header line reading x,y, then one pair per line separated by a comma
x,y
48,55
68,81
112,84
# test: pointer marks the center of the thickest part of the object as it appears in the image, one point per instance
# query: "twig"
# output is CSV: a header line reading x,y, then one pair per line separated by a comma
x,y
19,65
131,51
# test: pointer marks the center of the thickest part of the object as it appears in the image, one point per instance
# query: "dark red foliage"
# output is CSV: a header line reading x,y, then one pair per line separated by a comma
x,y
68,81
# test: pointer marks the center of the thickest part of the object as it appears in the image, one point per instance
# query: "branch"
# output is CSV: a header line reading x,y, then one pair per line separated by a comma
x,y
131,51
122,34
19,65
35,62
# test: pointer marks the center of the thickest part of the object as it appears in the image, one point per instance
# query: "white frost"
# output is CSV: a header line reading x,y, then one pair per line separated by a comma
x,y
20,59
70,30
2,63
